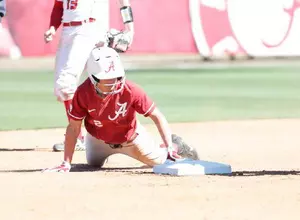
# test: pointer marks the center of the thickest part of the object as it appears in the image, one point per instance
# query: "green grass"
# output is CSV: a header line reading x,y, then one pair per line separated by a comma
x,y
27,100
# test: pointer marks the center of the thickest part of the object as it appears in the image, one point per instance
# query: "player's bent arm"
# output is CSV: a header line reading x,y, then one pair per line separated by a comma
x,y
72,133
124,3
56,15
55,20
127,16
163,126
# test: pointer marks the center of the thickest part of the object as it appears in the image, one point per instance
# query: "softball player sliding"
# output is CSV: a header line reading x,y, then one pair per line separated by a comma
x,y
108,103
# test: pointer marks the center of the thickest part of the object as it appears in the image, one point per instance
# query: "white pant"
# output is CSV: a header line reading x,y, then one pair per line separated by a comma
x,y
143,148
75,46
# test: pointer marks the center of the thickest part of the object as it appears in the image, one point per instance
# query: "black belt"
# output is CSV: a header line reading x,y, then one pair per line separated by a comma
x,y
116,146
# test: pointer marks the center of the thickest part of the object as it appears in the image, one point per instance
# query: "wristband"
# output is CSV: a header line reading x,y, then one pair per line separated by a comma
x,y
126,13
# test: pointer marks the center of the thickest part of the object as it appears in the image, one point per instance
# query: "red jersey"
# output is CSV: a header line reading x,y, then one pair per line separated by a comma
x,y
113,118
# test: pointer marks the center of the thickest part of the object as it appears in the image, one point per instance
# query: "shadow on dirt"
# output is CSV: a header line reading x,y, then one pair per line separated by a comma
x,y
16,149
81,167
88,168
25,149
264,173
148,171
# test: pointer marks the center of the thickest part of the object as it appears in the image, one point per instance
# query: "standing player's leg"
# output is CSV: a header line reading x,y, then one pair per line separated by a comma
x,y
74,49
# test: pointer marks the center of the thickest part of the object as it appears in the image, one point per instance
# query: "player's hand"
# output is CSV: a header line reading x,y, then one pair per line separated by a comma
x,y
63,168
48,35
173,154
129,35
129,31
119,40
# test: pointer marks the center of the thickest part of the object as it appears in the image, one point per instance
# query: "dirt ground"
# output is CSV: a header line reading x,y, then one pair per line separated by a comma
x,y
264,155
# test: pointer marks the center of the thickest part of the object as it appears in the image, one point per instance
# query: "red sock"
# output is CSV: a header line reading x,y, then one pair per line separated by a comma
x,y
67,107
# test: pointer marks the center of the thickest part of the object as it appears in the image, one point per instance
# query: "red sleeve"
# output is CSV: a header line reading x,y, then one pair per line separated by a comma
x,y
78,110
57,13
142,103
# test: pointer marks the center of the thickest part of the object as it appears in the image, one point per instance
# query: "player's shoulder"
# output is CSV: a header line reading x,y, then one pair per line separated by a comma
x,y
86,85
134,89
132,86
85,89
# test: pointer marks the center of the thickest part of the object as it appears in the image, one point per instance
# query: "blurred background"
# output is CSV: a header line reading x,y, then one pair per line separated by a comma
x,y
210,28
199,59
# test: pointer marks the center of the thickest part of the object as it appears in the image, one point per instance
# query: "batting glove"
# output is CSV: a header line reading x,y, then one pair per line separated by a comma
x,y
172,154
65,167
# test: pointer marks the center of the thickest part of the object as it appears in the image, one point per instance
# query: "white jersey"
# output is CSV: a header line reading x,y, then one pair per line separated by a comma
x,y
79,10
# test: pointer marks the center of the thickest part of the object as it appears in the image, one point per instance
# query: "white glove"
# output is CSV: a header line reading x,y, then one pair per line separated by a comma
x,y
129,36
119,40
63,168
